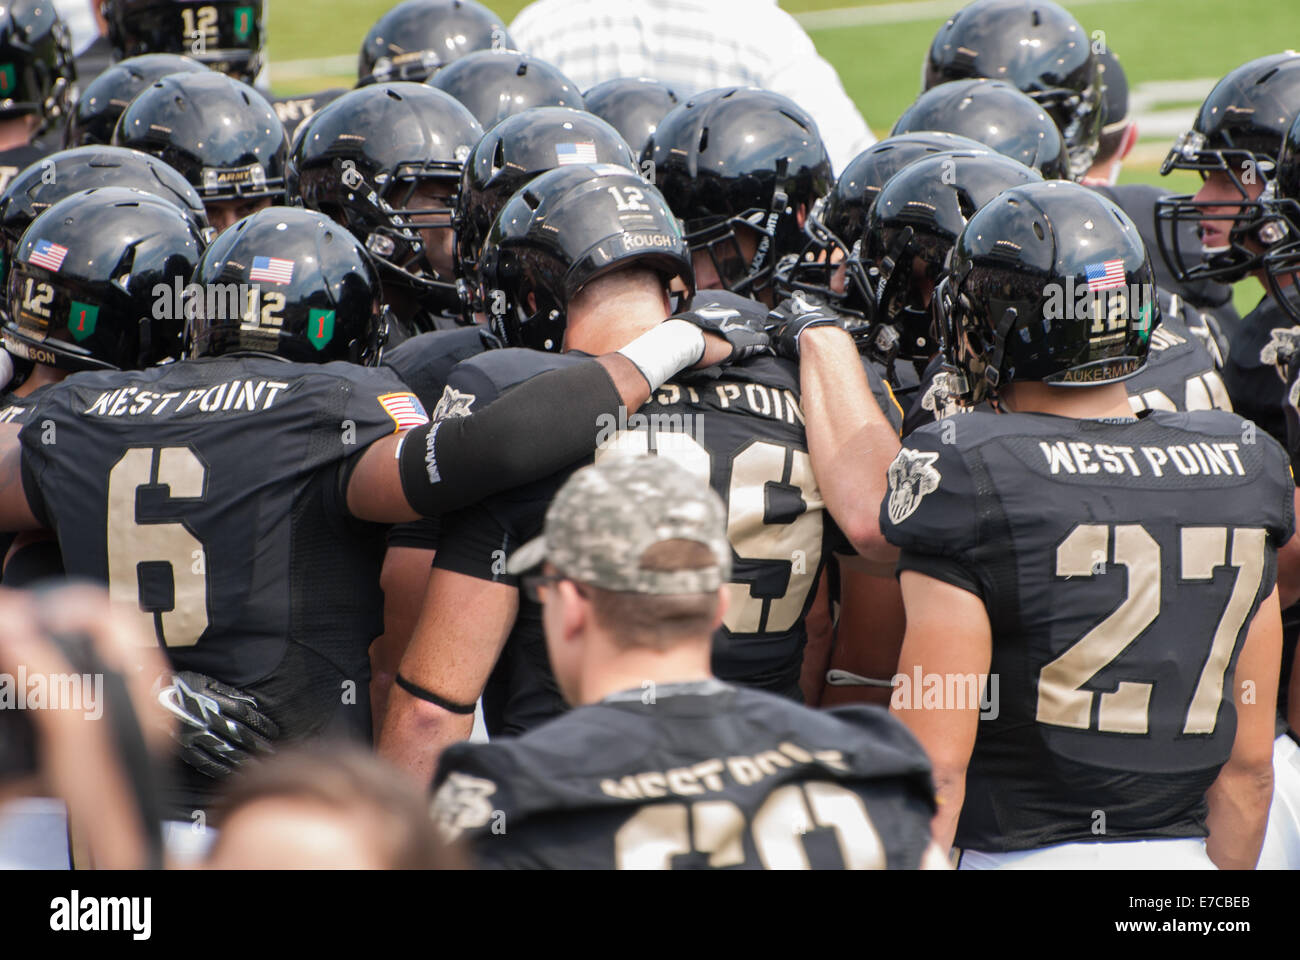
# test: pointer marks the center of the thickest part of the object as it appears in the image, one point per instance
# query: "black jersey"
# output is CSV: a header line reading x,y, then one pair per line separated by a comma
x,y
211,497
693,776
741,428
1120,564
1254,370
13,409
1180,374
292,111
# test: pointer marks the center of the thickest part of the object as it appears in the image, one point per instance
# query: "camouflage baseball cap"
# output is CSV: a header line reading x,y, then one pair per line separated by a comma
x,y
607,515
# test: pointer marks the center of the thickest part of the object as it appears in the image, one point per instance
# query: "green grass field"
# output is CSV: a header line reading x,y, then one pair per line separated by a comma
x,y
880,64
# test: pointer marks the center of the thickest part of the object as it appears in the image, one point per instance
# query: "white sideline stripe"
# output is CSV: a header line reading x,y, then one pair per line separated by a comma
x,y
898,13
344,63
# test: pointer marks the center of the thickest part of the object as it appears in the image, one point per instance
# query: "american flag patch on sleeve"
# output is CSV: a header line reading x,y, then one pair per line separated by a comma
x,y
404,408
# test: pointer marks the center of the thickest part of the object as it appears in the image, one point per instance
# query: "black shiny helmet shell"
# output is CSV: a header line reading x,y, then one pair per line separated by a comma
x,y
85,283
515,151
1282,264
997,115
413,39
1047,282
565,229
633,106
1039,48
740,157
495,84
226,35
60,175
912,227
221,134
289,283
360,161
1239,130
37,73
102,102
834,228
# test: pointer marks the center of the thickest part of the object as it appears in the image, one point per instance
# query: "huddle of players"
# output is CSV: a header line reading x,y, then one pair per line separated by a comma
x,y
935,250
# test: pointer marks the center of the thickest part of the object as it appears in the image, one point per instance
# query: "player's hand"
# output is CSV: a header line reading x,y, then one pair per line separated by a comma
x,y
220,727
792,317
728,336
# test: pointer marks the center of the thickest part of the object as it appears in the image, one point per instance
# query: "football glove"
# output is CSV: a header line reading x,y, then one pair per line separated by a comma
x,y
746,335
792,317
220,727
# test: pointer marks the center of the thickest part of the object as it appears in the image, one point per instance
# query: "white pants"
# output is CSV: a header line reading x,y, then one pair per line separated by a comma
x,y
1282,839
1180,854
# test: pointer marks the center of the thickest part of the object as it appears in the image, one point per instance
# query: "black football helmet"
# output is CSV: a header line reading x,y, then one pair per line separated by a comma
x,y
1282,263
910,231
632,106
515,151
1238,131
288,283
834,228
85,283
997,115
565,229
62,174
361,159
740,157
220,133
1048,282
37,74
226,35
415,38
101,103
495,84
1036,46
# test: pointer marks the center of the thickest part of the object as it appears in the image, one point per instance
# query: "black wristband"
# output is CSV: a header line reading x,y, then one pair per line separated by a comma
x,y
430,697
543,425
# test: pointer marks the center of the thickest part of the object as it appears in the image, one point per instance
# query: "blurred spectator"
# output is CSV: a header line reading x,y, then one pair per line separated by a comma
x,y
326,806
695,45
77,675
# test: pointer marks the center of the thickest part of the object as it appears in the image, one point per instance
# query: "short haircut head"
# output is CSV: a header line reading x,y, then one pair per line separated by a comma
x,y
659,621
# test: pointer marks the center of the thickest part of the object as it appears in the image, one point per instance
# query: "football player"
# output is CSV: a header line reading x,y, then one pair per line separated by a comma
x,y
507,157
416,37
1113,622
495,84
661,765
259,573
386,162
220,133
583,259
1233,145
107,95
68,311
37,83
1038,48
742,168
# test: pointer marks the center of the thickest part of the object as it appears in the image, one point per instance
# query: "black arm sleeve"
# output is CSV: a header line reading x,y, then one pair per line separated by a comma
x,y
537,428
